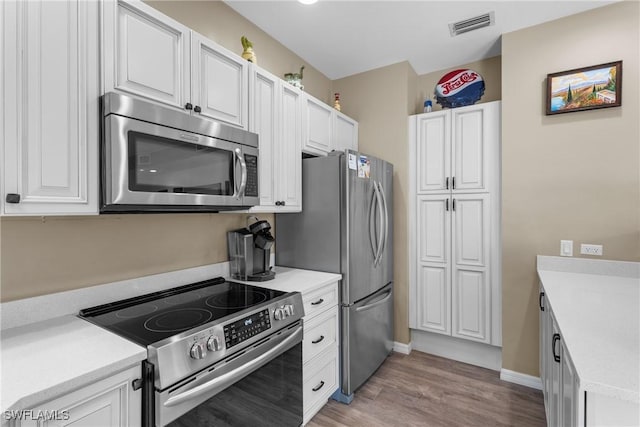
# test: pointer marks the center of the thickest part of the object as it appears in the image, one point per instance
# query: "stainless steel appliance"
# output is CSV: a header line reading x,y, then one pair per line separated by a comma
x,y
250,252
217,350
346,227
158,159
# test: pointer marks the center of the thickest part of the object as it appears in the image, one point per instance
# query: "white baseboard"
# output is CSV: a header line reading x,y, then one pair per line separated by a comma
x,y
522,379
473,353
399,347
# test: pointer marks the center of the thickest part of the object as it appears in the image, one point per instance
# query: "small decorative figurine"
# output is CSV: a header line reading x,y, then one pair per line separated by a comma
x,y
295,78
248,53
336,102
428,106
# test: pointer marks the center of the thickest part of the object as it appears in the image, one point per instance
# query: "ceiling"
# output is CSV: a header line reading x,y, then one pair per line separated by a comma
x,y
341,38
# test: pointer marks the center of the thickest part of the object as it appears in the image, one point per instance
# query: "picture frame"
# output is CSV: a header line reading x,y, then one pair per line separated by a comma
x,y
586,88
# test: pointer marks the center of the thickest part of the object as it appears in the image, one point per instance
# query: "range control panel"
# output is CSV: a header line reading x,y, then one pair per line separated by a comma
x,y
244,329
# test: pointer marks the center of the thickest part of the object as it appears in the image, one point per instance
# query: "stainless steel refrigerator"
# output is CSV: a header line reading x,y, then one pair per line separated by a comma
x,y
346,226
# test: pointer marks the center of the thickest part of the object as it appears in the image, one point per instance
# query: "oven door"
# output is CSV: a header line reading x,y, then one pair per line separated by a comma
x,y
152,167
261,385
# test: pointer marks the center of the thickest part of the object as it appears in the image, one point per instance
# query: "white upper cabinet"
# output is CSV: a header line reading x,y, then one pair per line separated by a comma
x,y
150,55
326,129
317,119
345,132
146,53
434,152
454,148
50,107
276,118
219,82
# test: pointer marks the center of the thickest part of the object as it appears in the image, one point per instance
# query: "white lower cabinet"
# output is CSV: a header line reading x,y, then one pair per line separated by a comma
x,y
105,403
566,403
320,348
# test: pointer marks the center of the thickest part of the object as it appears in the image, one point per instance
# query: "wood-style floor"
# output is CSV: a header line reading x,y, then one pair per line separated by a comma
x,y
425,390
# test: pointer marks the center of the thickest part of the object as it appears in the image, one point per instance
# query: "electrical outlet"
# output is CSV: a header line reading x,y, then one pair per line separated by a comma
x,y
566,247
587,249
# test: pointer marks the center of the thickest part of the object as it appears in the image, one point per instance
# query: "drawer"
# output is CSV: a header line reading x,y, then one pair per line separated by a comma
x,y
320,382
320,333
319,300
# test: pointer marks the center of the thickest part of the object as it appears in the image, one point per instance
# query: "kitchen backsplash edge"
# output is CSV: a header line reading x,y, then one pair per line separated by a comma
x,y
30,310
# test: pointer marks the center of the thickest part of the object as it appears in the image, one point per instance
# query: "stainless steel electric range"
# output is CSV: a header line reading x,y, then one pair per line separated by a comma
x,y
218,353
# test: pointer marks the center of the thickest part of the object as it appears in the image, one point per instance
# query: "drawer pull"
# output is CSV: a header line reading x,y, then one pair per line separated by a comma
x,y
318,340
554,340
320,301
319,386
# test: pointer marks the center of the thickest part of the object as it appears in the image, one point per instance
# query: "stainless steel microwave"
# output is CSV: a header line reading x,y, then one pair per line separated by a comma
x,y
156,159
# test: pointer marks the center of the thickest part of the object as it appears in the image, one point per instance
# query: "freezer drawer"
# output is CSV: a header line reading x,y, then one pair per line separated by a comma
x,y
367,337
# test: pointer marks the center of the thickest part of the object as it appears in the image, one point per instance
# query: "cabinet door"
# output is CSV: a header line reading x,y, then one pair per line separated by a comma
x,y
51,106
106,403
475,129
555,376
544,346
569,390
264,121
145,53
433,152
345,132
289,151
219,82
471,308
317,126
434,264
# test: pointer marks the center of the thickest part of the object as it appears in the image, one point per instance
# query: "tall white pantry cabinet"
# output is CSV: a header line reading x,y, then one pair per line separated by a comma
x,y
455,222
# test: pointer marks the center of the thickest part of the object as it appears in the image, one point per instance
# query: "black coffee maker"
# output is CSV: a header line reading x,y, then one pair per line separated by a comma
x,y
250,252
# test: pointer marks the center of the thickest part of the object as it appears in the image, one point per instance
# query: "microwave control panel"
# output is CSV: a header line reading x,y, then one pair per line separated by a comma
x,y
251,189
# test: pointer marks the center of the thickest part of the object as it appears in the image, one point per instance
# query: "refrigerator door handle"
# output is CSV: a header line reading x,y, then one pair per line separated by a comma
x,y
386,220
373,239
377,302
378,257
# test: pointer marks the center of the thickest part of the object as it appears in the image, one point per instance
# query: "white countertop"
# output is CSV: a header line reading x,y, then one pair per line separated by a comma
x,y
296,280
597,311
44,360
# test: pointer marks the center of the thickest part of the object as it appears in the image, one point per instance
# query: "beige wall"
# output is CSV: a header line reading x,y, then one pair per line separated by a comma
x,y
570,176
41,256
489,69
380,100
220,23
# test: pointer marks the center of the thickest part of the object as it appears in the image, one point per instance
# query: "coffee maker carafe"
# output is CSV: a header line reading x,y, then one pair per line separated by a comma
x,y
250,252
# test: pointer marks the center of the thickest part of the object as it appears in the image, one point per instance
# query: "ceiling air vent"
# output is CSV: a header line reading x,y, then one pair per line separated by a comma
x,y
472,24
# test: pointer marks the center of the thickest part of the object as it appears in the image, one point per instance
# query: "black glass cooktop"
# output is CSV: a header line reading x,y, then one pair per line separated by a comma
x,y
153,317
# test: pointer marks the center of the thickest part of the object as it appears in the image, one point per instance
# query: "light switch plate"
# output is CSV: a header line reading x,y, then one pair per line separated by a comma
x,y
566,247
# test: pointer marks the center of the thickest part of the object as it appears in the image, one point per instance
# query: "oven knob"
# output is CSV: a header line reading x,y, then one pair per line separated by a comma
x,y
213,344
278,314
198,351
288,309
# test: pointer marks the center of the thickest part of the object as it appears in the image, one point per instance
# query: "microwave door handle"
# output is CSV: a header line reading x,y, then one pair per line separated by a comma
x,y
243,179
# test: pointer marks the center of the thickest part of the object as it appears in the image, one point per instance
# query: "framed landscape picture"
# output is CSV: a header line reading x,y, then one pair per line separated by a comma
x,y
587,88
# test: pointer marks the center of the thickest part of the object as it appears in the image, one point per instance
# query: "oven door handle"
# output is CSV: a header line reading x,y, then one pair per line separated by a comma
x,y
231,377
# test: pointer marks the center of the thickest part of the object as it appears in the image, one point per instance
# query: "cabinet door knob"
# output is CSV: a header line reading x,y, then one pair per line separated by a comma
x,y
446,205
453,205
197,109
540,297
453,183
12,198
282,203
446,183
189,106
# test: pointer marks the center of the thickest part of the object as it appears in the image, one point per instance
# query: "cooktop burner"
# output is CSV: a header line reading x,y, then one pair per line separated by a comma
x,y
154,317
